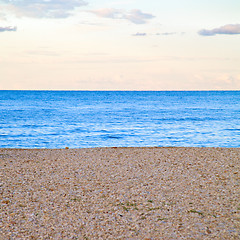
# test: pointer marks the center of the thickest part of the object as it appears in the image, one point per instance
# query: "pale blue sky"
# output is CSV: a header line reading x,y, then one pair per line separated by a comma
x,y
120,45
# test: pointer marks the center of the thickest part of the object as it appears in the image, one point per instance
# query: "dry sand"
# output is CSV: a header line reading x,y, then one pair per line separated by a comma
x,y
120,193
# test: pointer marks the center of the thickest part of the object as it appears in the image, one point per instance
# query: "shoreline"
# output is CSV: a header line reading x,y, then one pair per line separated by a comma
x,y
121,147
120,193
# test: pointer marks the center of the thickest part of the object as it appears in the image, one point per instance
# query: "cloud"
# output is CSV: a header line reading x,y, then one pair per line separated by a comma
x,y
135,16
229,29
138,17
108,13
139,34
8,29
166,33
43,8
2,15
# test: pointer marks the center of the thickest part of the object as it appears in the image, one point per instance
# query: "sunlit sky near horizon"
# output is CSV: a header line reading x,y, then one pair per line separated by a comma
x,y
120,45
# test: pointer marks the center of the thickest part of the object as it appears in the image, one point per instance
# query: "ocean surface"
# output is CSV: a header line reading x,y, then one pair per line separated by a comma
x,y
83,119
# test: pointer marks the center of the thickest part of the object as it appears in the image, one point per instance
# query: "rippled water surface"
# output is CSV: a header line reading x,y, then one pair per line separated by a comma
x,y
79,119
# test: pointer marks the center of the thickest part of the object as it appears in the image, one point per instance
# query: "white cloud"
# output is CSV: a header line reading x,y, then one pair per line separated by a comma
x,y
2,15
229,29
166,33
108,13
43,8
8,29
139,34
138,17
135,16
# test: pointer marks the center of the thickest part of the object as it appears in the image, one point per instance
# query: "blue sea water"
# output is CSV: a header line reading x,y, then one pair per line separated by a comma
x,y
82,119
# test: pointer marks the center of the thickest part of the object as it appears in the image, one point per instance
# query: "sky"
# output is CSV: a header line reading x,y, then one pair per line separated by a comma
x,y
119,45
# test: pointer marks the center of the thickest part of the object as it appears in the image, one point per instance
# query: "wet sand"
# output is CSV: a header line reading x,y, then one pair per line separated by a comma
x,y
120,193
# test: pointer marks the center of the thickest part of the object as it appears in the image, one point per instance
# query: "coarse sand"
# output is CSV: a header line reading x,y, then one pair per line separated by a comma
x,y
120,193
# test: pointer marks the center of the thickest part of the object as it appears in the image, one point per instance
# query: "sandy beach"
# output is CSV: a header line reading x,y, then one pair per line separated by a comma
x,y
120,193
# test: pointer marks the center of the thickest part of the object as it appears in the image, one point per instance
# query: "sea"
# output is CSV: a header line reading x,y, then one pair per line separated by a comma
x,y
87,119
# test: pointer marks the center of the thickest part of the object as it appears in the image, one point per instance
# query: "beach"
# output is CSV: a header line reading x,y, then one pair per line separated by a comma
x,y
120,193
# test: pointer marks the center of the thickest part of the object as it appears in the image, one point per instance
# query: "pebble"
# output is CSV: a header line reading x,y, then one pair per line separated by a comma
x,y
120,193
